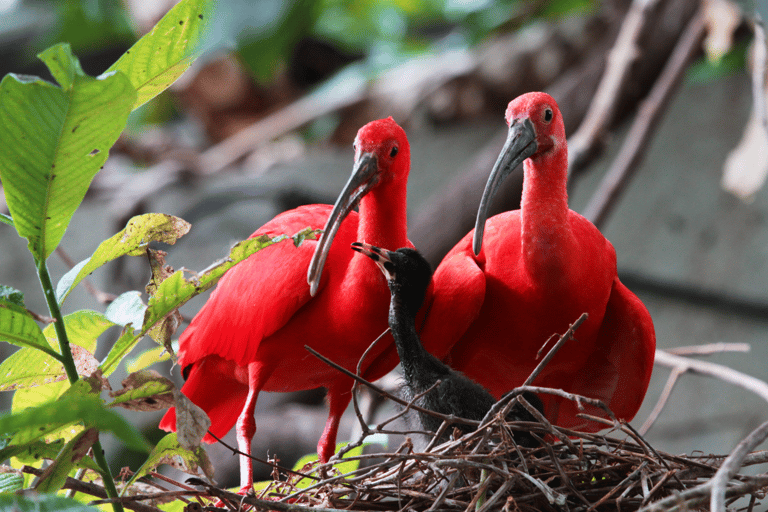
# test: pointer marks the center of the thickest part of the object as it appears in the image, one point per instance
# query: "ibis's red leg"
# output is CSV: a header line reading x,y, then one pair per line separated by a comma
x,y
258,373
339,396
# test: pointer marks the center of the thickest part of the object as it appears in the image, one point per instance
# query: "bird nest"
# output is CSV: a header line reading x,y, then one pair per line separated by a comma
x,y
486,470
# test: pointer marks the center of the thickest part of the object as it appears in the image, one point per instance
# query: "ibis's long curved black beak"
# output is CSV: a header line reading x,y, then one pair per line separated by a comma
x,y
520,144
364,177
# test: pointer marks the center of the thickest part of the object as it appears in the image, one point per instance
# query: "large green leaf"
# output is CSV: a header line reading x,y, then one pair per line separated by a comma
x,y
34,423
19,328
162,55
132,240
54,140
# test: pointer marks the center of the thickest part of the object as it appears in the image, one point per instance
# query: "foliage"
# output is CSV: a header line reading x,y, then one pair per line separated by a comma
x,y
54,138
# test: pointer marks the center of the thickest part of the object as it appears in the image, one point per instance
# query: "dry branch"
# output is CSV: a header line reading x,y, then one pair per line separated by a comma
x,y
646,123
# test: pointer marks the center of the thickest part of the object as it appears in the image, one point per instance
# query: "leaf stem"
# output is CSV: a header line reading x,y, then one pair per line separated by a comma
x,y
106,475
61,332
69,366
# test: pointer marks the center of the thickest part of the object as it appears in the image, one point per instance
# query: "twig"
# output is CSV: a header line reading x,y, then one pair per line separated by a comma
x,y
273,465
589,138
646,122
718,371
503,401
90,489
732,464
662,401
444,417
709,348
563,339
361,421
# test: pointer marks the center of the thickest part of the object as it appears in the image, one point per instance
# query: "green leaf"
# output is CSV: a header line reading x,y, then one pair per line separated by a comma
x,y
12,295
6,219
176,290
83,329
27,368
127,309
62,64
32,424
132,240
169,451
55,475
19,328
39,450
162,55
128,339
147,359
42,503
25,398
146,390
30,367
52,144
11,482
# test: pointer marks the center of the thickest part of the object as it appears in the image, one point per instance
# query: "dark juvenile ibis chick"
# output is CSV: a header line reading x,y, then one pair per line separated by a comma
x,y
522,277
408,275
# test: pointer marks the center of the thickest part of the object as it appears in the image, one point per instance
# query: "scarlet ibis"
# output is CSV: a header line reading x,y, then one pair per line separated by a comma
x,y
250,334
496,303
409,275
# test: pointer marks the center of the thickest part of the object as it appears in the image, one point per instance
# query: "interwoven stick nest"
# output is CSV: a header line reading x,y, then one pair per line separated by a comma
x,y
485,470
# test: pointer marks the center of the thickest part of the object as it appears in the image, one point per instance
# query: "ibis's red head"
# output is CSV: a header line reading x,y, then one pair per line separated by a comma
x,y
536,131
382,155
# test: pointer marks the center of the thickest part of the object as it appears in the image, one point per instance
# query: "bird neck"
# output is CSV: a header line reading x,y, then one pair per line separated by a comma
x,y
413,355
383,221
544,211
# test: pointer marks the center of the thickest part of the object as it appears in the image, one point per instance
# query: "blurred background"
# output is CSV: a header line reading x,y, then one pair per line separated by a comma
x,y
662,91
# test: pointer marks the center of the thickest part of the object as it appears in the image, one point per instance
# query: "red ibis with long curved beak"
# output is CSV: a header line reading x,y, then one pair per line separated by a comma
x,y
524,276
250,334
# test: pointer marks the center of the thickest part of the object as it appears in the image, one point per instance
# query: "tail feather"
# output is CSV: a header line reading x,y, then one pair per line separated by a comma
x,y
214,386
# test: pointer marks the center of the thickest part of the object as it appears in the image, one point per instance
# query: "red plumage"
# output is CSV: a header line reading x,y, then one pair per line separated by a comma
x,y
250,334
539,269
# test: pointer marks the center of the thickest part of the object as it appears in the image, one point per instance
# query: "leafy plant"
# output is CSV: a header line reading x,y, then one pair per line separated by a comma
x,y
54,138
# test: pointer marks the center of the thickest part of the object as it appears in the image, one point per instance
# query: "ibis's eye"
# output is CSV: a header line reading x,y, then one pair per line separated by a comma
x,y
354,148
548,115
393,152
